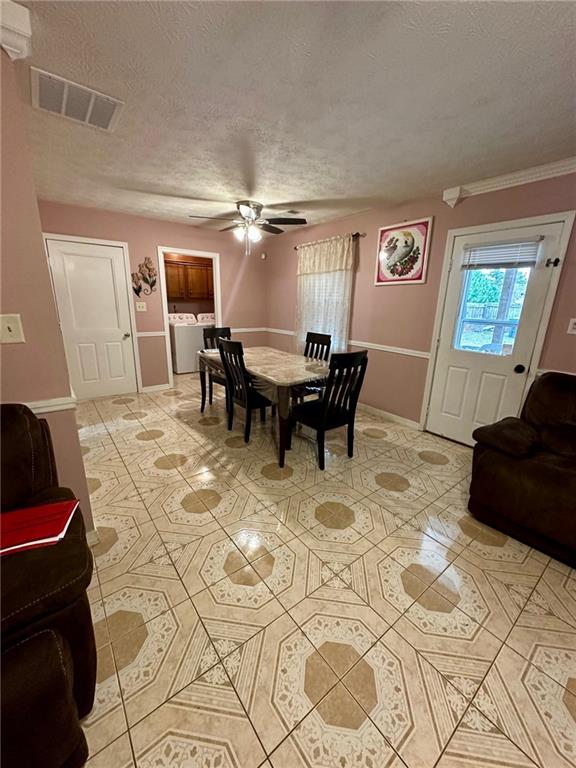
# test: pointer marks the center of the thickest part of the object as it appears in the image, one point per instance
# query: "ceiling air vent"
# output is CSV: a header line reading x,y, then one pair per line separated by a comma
x,y
76,102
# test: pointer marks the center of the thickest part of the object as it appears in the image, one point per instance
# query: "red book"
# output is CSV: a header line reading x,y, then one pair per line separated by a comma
x,y
32,527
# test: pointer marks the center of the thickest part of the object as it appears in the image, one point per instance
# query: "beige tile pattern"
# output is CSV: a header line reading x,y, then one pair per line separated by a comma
x,y
415,708
202,725
531,709
251,617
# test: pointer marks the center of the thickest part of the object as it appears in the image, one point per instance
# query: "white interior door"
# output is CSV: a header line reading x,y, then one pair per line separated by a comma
x,y
497,288
92,293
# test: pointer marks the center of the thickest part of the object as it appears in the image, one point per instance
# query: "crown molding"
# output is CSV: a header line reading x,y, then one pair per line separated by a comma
x,y
453,195
15,30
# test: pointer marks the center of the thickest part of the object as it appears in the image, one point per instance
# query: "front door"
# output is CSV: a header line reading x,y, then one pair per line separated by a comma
x,y
92,293
497,288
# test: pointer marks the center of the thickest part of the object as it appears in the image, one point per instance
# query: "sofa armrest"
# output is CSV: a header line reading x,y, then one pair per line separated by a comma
x,y
510,435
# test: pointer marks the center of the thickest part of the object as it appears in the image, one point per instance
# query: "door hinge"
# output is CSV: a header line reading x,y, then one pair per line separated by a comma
x,y
552,262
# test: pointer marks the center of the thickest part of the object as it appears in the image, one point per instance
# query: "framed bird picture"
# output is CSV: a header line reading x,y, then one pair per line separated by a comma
x,y
403,253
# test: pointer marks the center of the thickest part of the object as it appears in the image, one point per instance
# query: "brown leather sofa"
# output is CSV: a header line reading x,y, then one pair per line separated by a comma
x,y
524,470
48,646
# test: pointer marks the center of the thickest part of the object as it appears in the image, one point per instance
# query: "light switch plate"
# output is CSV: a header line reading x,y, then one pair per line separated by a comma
x,y
141,306
572,325
11,331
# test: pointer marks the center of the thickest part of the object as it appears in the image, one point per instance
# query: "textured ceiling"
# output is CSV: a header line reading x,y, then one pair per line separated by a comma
x,y
328,108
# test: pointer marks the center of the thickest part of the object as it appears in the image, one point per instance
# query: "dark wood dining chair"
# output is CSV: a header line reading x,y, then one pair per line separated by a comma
x,y
337,406
240,387
317,347
211,338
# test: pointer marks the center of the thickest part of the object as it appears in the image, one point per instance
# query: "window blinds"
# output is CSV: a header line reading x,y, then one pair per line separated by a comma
x,y
517,253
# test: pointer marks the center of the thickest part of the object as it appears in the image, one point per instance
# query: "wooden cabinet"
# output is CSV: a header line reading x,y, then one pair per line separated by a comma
x,y
176,281
189,281
198,282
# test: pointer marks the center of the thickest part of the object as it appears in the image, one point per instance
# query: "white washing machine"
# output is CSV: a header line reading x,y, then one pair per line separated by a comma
x,y
186,340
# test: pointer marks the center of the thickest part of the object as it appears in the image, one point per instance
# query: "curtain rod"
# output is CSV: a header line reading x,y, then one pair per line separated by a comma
x,y
354,235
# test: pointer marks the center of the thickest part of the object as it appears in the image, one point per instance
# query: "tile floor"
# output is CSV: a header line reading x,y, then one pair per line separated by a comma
x,y
359,617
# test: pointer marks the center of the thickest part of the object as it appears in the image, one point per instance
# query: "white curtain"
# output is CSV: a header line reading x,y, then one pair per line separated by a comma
x,y
325,271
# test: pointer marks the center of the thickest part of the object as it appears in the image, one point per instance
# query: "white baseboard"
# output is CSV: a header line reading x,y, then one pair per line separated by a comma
x,y
55,404
157,387
389,416
92,537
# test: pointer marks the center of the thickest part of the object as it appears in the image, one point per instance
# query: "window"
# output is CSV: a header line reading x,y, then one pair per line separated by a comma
x,y
494,283
325,290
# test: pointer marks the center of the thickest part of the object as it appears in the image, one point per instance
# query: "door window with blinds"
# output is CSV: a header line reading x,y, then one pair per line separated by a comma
x,y
494,283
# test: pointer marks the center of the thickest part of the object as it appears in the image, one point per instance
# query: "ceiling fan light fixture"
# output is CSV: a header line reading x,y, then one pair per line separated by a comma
x,y
239,233
254,233
247,211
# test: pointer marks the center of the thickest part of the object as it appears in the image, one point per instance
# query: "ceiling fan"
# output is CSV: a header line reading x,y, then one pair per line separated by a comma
x,y
249,223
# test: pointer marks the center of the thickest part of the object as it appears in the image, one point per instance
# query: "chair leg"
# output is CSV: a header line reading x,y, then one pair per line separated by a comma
x,y
321,449
230,414
262,415
273,409
248,425
210,390
227,398
350,439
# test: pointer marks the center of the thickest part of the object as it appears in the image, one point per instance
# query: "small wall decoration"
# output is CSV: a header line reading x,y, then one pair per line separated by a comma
x,y
144,281
403,252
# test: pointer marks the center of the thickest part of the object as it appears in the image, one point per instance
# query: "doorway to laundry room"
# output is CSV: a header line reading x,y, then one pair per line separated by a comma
x,y
192,286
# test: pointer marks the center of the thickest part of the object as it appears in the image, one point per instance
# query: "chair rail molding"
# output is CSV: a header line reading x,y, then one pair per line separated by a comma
x,y
15,30
393,350
453,195
351,342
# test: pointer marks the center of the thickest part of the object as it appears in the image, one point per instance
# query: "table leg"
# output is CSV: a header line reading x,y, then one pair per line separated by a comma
x,y
283,426
283,423
203,388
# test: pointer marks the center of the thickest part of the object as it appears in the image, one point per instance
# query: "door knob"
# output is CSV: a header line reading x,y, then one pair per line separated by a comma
x,y
126,336
519,368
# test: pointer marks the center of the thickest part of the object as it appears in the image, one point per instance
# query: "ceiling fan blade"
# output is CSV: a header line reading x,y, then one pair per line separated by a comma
x,y
221,218
268,228
227,229
280,220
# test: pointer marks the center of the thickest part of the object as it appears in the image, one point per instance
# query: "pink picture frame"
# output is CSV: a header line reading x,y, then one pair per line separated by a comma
x,y
402,254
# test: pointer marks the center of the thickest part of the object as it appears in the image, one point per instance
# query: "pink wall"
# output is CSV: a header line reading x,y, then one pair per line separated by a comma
x,y
25,274
194,307
153,360
403,316
242,277
35,370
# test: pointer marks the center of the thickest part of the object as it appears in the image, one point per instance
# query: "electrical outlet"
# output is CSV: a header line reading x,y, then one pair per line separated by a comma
x,y
11,331
572,325
141,306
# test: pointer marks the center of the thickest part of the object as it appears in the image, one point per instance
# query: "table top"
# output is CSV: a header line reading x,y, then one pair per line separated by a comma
x,y
283,369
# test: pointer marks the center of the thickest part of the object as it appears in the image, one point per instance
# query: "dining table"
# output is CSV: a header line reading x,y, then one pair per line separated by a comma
x,y
274,374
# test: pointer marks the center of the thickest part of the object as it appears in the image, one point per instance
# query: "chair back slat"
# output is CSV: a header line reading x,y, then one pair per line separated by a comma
x,y
212,336
344,383
237,377
317,345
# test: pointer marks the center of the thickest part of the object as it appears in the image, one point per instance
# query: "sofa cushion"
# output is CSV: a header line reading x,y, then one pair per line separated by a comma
x,y
551,400
510,435
537,492
40,725
27,458
560,439
38,582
